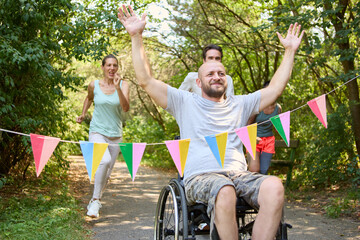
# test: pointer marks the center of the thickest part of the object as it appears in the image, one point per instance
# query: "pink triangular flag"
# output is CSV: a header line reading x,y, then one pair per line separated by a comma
x,y
318,106
138,152
285,121
43,147
247,136
173,147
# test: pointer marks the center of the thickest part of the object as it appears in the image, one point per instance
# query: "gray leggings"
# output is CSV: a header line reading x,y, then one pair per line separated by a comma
x,y
265,159
107,162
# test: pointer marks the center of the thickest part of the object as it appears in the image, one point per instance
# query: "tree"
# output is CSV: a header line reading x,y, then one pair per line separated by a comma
x,y
332,45
327,58
38,40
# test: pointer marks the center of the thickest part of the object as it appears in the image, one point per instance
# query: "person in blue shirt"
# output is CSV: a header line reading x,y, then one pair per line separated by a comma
x,y
110,96
265,141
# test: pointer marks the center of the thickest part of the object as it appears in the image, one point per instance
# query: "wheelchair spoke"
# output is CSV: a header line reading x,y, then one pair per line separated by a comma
x,y
169,219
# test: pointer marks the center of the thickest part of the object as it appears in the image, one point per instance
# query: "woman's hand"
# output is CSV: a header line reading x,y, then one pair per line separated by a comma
x,y
117,80
80,118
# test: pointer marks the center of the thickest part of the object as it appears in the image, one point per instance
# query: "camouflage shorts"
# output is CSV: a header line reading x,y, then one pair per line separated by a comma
x,y
203,188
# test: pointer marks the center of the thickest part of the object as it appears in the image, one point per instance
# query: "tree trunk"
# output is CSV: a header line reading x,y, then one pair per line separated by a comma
x,y
342,41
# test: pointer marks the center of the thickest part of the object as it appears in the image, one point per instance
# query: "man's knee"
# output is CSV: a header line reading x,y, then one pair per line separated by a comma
x,y
226,197
272,190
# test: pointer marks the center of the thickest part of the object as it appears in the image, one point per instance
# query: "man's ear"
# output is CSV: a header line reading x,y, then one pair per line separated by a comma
x,y
198,82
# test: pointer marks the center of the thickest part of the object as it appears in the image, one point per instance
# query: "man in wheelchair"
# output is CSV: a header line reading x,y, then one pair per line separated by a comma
x,y
211,114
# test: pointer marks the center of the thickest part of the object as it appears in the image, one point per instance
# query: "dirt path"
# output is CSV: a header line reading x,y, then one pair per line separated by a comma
x,y
129,208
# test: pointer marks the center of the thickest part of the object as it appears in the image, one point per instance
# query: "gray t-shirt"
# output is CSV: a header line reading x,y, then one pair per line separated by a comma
x,y
198,117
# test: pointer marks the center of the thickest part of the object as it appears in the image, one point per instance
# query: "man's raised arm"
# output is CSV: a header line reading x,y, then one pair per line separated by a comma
x,y
135,27
282,75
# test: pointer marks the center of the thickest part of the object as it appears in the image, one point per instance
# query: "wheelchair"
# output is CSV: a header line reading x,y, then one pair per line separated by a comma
x,y
176,220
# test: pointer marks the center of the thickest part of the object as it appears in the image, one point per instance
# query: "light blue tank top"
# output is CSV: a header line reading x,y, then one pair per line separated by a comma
x,y
265,129
106,118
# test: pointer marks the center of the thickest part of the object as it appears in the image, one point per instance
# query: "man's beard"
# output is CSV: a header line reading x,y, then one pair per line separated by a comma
x,y
213,93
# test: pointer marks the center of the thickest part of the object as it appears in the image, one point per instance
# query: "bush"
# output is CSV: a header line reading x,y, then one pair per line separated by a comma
x,y
330,154
139,129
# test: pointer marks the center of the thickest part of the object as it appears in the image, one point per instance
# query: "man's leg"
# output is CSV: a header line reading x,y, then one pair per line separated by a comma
x,y
225,213
206,188
271,200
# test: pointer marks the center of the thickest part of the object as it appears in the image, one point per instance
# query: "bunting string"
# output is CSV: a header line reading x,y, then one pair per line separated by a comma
x,y
304,105
44,146
233,131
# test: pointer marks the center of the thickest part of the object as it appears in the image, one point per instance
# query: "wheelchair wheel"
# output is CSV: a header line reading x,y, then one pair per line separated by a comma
x,y
171,220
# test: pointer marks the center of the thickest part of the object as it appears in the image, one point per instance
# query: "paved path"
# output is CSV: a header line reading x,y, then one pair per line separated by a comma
x,y
129,208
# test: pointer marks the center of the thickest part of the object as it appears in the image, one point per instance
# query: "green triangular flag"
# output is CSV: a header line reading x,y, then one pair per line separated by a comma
x,y
127,152
279,127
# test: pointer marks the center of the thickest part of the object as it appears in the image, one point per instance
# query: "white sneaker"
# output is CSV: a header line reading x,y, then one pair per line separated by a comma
x,y
93,208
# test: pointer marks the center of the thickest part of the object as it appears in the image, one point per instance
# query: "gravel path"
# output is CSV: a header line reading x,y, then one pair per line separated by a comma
x,y
129,208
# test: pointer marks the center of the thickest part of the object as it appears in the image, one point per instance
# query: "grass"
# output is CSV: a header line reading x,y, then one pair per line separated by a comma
x,y
41,209
336,201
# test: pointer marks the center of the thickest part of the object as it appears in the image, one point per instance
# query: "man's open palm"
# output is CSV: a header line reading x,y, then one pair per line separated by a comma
x,y
131,22
292,39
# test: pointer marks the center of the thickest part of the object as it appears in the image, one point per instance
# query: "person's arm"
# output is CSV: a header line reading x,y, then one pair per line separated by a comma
x,y
135,27
282,75
279,108
189,82
123,92
251,120
87,102
230,87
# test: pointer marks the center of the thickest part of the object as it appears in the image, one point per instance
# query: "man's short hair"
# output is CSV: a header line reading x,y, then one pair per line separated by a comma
x,y
209,47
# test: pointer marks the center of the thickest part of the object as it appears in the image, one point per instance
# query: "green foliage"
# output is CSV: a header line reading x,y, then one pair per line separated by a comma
x,y
329,157
3,180
340,206
140,129
38,40
54,216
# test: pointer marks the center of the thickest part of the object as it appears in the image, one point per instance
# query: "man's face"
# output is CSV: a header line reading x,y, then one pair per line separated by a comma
x,y
213,79
212,55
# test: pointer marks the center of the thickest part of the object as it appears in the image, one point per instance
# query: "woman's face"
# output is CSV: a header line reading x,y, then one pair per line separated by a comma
x,y
110,68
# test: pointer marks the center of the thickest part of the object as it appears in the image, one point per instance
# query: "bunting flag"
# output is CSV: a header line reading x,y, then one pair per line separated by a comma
x,y
282,124
179,150
247,136
92,153
132,153
318,106
217,144
42,147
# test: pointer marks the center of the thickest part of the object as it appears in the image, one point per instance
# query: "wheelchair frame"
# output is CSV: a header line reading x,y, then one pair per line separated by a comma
x,y
175,220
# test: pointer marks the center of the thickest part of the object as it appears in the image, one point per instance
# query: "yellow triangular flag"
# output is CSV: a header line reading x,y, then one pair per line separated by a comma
x,y
183,149
221,140
99,150
252,130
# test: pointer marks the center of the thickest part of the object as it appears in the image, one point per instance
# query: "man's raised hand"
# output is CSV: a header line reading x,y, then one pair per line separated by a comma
x,y
133,25
292,39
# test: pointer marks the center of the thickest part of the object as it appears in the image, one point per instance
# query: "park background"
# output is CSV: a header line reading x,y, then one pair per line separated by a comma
x,y
51,50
